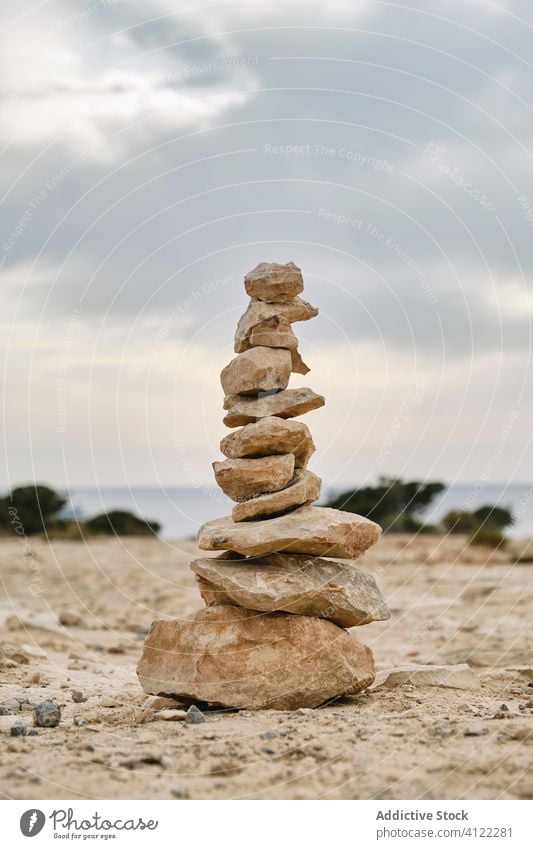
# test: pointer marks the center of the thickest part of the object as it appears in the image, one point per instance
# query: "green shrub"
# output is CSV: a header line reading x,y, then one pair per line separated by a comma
x,y
121,523
460,522
66,529
34,507
491,516
492,537
395,505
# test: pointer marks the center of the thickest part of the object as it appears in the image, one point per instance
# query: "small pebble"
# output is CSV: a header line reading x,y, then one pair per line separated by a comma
x,y
180,792
475,730
19,729
70,618
80,721
11,705
171,715
47,714
268,735
108,702
77,696
194,716
34,651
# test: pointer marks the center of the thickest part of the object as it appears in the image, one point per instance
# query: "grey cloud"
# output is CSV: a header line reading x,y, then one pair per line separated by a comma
x,y
436,224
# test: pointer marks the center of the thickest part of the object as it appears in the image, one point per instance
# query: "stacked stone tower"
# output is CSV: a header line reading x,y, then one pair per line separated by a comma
x,y
273,632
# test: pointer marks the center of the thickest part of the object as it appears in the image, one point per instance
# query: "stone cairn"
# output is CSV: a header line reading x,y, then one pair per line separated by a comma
x,y
273,632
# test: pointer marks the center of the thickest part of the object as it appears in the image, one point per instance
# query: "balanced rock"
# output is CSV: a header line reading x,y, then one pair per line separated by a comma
x,y
259,311
286,404
241,479
304,488
307,530
295,583
229,656
271,435
257,370
272,282
297,364
274,332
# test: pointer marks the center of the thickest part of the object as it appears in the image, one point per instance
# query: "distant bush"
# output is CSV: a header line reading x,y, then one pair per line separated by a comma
x,y
121,523
492,537
5,519
66,529
33,508
394,504
36,508
484,526
491,516
460,522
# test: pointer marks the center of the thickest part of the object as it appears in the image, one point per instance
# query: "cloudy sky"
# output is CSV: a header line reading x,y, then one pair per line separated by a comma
x,y
154,152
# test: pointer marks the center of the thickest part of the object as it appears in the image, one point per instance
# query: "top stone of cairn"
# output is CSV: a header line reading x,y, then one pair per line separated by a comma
x,y
273,282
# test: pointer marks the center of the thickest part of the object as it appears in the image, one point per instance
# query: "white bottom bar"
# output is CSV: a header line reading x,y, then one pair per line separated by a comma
x,y
269,824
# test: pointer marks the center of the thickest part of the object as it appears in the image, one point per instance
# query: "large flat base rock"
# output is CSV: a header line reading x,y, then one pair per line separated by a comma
x,y
294,583
307,530
238,658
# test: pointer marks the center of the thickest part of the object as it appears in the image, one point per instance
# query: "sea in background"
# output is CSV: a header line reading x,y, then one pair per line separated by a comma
x,y
181,510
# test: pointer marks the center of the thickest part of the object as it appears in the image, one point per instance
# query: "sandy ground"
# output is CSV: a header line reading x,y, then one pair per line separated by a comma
x,y
450,604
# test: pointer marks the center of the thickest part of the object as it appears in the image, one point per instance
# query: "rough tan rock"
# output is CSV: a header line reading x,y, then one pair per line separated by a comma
x,y
308,530
304,488
274,332
294,583
241,479
171,715
257,370
286,404
259,311
297,364
457,676
272,282
229,656
271,435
